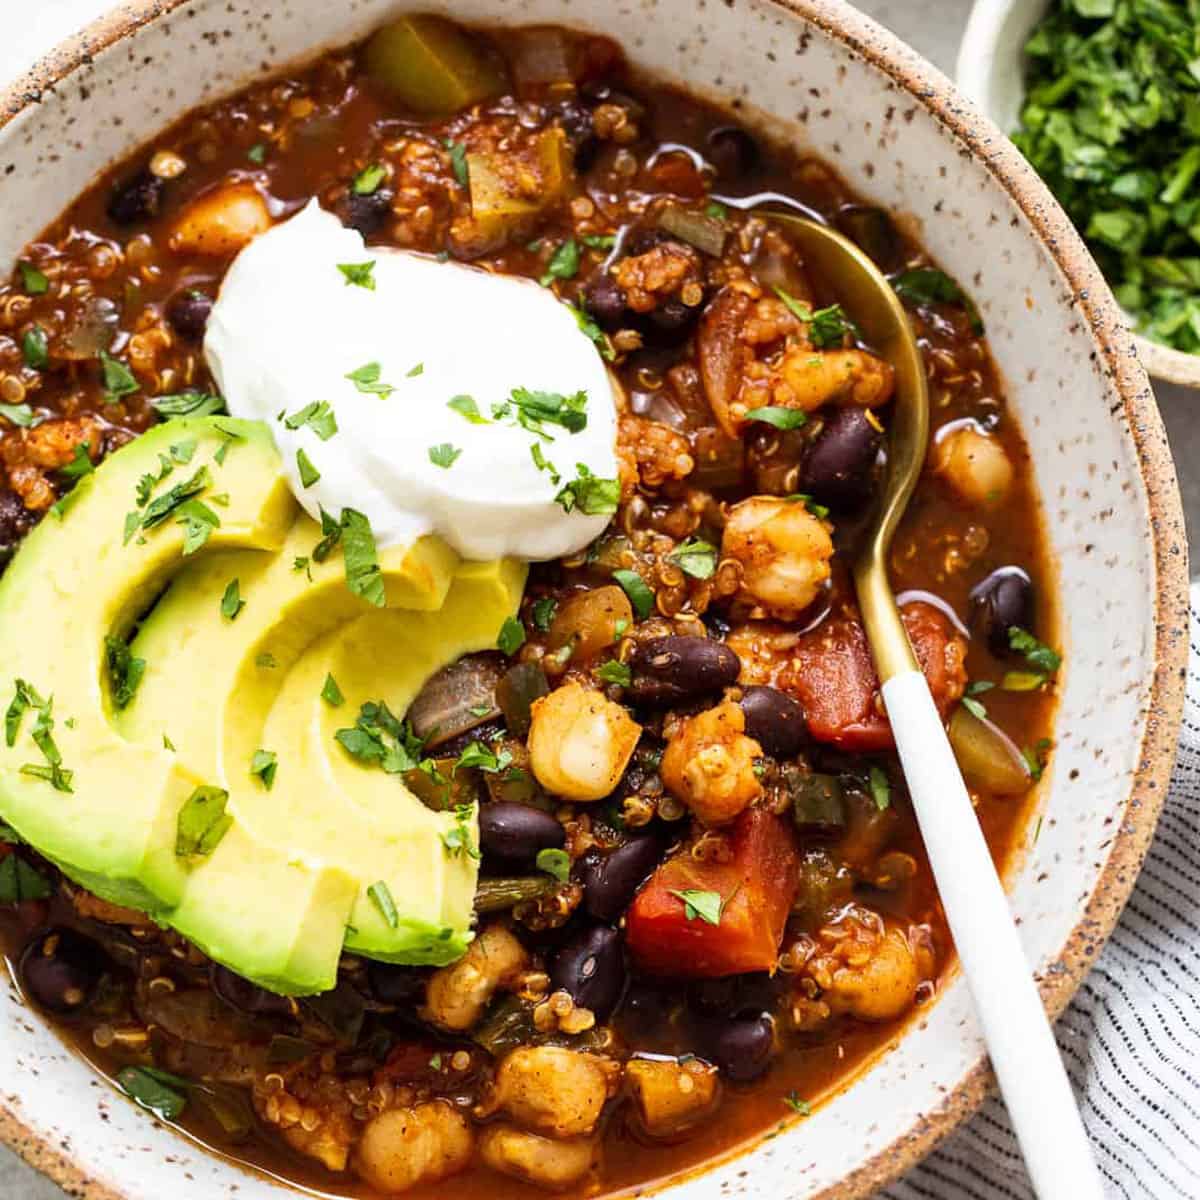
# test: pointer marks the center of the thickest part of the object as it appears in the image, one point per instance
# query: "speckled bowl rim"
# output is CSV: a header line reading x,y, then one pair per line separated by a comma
x,y
1116,351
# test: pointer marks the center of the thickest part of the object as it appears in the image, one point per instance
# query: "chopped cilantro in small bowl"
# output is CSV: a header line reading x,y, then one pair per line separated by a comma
x,y
1103,98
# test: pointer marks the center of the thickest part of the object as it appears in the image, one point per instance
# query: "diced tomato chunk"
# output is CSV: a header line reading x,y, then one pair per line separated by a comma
x,y
756,887
834,678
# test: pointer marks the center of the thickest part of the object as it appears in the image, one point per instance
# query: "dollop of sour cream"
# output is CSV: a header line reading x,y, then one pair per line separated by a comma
x,y
400,354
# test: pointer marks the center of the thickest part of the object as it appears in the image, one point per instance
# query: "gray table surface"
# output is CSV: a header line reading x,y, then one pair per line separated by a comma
x,y
933,28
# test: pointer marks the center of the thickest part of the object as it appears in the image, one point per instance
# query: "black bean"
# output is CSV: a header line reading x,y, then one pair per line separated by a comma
x,y
605,300
670,323
15,522
1002,600
138,198
610,881
61,970
744,1047
669,669
837,469
394,984
714,997
733,152
188,313
591,967
639,241
365,213
511,834
247,997
580,128
774,720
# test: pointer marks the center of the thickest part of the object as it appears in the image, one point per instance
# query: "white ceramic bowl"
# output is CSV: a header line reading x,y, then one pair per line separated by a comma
x,y
818,72
991,71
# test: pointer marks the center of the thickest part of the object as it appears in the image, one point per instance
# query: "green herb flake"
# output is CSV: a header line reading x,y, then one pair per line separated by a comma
x,y
466,406
198,521
593,333
308,473
359,274
511,636
1036,653
716,210
118,378
35,348
187,404
544,464
331,536
367,181
793,1101
20,415
534,410
366,380
543,613
331,693
458,839
317,416
444,455
435,1062
265,660
554,862
149,1090
263,765
363,576
924,286
458,161
168,744
781,418
378,738
638,591
705,906
302,562
33,281
614,672
80,464
1035,756
202,822
20,882
829,327
589,494
978,686
696,558
564,263
881,788
479,757
974,707
415,371
125,671
599,241
257,153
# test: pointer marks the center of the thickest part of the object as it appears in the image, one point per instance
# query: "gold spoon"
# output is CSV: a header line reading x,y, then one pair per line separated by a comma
x,y
1020,1042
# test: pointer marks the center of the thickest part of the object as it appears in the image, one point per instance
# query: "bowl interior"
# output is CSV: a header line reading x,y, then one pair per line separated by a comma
x,y
1071,380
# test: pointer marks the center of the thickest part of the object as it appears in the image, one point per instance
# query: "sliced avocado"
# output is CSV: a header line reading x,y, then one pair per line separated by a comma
x,y
359,816
73,583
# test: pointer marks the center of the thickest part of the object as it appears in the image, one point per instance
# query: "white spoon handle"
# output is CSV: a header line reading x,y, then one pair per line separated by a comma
x,y
1021,1045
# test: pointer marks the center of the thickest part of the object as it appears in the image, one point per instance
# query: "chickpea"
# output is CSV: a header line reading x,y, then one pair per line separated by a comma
x,y
457,994
973,463
221,222
554,1091
580,742
818,377
672,1095
406,1146
784,551
709,764
536,1159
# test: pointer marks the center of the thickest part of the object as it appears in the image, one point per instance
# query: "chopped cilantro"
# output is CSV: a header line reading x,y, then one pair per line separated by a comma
x,y
881,788
781,418
20,882
202,822
614,672
544,464
543,613
511,636
198,521
367,181
20,414
599,241
331,693
308,473
124,670
533,411
465,406
161,507
35,348
359,274
366,380
303,563
706,906
974,707
477,755
168,744
564,264
696,558
381,897
818,510
458,161
591,495
636,588
265,660
33,281
1035,756
363,576
414,371
80,464
458,839
187,404
232,602
264,764
378,737
26,697
331,535
592,331
1022,681
793,1101
554,862
444,454
978,686
829,327
318,416
928,285
118,378
716,210
1036,653
157,1091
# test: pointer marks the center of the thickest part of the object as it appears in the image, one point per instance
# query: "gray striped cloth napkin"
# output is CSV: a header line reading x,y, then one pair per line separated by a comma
x,y
1131,1039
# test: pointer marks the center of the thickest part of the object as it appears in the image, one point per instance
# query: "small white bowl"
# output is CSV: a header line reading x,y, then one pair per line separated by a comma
x,y
991,71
